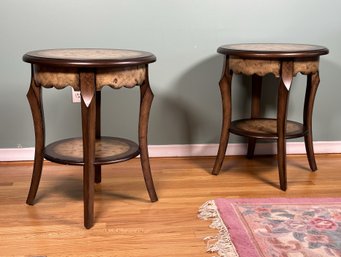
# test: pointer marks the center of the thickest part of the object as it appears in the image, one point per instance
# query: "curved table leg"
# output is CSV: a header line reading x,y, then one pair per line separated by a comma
x,y
225,90
283,97
88,105
34,96
255,110
98,168
313,81
145,105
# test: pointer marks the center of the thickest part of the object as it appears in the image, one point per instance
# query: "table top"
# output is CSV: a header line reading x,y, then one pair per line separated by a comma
x,y
273,50
88,57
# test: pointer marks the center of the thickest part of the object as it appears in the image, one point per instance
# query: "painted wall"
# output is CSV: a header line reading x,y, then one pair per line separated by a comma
x,y
184,35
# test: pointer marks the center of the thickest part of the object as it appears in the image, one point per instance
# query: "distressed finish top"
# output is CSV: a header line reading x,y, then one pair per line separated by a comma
x,y
273,50
116,68
88,57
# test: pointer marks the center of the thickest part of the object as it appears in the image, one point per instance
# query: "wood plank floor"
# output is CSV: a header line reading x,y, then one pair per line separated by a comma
x,y
127,224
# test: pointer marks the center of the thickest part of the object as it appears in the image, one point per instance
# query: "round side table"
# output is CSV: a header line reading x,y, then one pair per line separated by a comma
x,y
88,70
284,61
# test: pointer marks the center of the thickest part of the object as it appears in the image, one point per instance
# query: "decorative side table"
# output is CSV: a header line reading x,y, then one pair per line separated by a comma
x,y
284,61
88,70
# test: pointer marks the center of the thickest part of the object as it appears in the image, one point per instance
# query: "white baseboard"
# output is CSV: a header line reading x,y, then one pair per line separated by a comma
x,y
17,154
239,149
326,147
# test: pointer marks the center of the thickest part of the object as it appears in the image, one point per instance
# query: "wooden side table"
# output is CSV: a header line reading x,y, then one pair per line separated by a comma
x,y
284,61
88,70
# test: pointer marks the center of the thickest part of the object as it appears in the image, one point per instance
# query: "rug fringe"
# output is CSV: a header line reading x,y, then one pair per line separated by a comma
x,y
221,243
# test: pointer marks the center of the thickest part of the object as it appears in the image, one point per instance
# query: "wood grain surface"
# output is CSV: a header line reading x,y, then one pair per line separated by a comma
x,y
127,223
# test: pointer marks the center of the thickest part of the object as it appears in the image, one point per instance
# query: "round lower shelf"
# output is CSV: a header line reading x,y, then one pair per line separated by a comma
x,y
265,128
108,150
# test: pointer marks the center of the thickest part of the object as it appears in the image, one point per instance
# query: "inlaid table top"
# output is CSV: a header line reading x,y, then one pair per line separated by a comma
x,y
114,67
273,50
88,57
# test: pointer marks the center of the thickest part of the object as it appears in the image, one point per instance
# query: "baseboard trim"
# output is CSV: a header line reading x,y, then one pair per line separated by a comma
x,y
325,147
320,147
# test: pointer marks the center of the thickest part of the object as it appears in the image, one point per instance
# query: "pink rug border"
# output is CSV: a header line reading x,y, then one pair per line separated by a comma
x,y
240,238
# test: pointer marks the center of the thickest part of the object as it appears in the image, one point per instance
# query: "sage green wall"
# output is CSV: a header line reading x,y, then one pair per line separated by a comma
x,y
184,35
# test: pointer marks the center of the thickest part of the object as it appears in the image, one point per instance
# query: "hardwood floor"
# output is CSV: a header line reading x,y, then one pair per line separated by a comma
x,y
127,224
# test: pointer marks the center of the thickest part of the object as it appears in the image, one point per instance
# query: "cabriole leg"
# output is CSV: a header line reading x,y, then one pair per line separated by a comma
x,y
145,105
313,81
34,97
225,90
283,97
98,168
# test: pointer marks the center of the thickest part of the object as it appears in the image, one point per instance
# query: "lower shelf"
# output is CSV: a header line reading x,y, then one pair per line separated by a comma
x,y
265,128
108,150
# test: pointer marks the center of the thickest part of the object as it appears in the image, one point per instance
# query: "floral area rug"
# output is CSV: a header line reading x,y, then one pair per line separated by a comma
x,y
279,227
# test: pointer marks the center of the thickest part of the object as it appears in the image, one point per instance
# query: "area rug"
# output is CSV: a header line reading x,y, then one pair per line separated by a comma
x,y
278,227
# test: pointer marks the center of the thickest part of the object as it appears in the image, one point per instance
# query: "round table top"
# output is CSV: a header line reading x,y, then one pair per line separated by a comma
x,y
88,57
273,50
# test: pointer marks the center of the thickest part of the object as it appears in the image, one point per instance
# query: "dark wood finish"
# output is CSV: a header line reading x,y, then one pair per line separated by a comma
x,y
98,169
273,50
255,110
146,96
87,63
265,128
121,150
270,55
34,97
225,90
313,81
282,106
102,60
88,106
